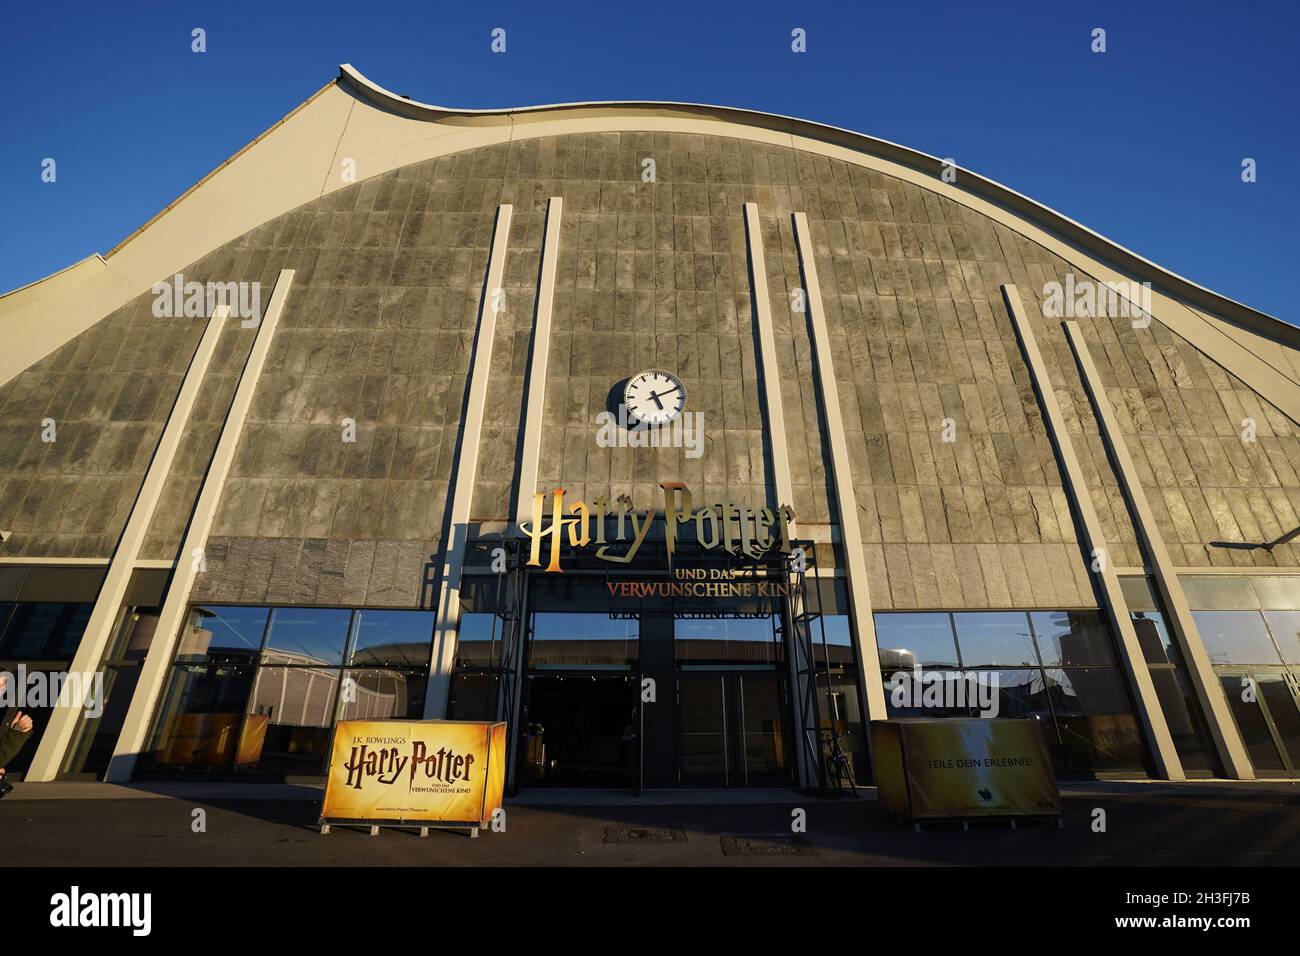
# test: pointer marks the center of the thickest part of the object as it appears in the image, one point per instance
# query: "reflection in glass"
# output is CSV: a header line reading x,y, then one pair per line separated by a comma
x,y
1252,723
222,634
201,720
1277,592
1285,626
44,630
292,711
740,641
1236,637
478,641
1277,697
382,694
563,639
1183,715
995,639
1071,638
1021,693
1218,593
307,635
915,639
1095,720
393,638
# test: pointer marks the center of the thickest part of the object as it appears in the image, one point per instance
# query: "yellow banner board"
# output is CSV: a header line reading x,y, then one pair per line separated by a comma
x,y
955,768
422,772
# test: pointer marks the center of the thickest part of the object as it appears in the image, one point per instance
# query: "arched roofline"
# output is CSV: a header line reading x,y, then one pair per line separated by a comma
x,y
1044,216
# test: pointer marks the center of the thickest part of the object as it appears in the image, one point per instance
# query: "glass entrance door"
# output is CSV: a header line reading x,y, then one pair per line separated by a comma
x,y
731,730
579,731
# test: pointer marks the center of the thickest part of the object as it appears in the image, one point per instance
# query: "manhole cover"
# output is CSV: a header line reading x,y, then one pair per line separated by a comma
x,y
766,846
645,835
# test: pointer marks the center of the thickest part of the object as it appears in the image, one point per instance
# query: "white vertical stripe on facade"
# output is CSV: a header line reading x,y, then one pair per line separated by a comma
x,y
530,456
104,618
1149,713
775,417
846,499
1209,693
153,674
447,627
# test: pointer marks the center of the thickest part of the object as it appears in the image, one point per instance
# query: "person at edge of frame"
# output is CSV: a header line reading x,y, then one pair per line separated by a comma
x,y
14,731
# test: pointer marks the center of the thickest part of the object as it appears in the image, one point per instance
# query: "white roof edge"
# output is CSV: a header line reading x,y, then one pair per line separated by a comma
x,y
54,275
1057,222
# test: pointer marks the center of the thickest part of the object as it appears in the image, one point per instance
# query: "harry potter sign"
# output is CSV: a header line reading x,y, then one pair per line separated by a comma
x,y
733,526
430,772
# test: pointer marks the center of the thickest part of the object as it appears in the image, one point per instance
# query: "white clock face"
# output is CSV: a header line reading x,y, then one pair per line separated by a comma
x,y
654,397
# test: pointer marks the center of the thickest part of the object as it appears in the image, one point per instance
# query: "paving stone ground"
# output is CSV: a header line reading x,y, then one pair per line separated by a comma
x,y
1146,826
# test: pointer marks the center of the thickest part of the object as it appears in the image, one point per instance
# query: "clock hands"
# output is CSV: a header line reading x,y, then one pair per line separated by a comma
x,y
655,395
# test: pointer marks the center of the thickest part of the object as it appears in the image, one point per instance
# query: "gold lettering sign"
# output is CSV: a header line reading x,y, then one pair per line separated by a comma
x,y
732,526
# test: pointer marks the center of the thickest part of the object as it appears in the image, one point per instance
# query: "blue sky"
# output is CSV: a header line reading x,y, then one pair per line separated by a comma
x,y
1143,143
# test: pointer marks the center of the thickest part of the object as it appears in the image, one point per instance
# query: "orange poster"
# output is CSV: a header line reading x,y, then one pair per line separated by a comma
x,y
424,772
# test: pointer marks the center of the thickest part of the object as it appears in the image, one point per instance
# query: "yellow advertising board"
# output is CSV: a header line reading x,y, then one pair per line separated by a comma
x,y
957,768
415,772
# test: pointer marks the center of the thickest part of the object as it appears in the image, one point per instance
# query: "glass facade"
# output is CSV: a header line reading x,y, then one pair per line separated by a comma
x,y
1058,667
38,637
259,688
1250,627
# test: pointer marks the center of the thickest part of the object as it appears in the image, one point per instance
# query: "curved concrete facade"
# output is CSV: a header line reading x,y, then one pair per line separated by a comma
x,y
964,496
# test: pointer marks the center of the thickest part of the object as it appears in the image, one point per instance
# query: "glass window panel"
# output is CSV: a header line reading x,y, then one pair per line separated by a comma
x,y
732,641
307,635
393,639
382,694
1285,626
473,696
841,707
1277,591
1153,636
839,641
44,630
1218,593
478,643
1235,637
564,639
912,694
995,639
1252,723
40,716
1094,719
915,640
290,719
1183,715
1138,594
1072,638
222,634
1020,693
201,720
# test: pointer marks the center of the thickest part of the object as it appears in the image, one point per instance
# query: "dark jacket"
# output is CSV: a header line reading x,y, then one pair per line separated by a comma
x,y
11,741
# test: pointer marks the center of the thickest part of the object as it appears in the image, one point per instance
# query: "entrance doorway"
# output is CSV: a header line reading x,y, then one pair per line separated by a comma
x,y
578,731
731,731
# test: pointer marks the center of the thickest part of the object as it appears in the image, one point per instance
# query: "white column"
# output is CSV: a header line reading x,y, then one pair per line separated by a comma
x,y
846,499
157,665
1209,693
530,456
105,616
1149,713
448,623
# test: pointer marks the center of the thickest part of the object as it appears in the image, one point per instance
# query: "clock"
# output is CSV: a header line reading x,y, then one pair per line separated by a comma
x,y
654,397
